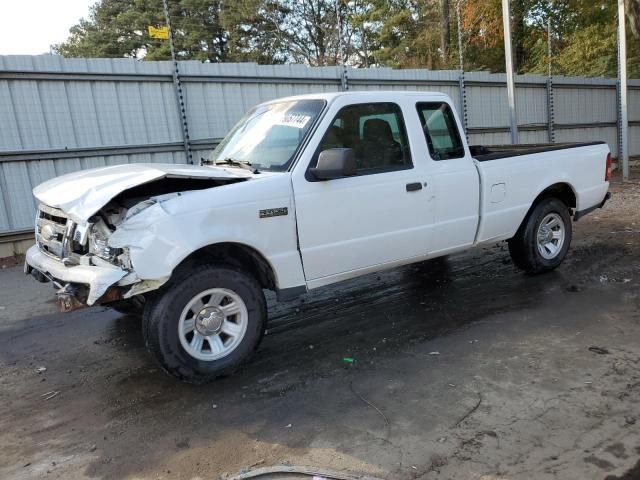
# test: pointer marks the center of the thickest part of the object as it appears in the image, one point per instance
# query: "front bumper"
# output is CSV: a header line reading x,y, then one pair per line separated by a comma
x,y
97,279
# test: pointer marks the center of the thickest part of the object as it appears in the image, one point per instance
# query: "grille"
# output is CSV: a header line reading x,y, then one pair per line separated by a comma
x,y
54,232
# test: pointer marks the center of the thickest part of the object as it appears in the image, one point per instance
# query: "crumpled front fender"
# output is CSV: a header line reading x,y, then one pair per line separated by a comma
x,y
149,250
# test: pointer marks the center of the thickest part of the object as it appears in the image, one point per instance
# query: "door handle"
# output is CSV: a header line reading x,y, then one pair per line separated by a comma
x,y
414,187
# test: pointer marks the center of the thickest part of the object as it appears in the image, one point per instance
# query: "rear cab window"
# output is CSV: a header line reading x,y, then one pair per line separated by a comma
x,y
375,131
440,130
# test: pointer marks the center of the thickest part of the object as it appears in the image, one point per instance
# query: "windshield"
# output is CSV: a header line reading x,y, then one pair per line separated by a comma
x,y
269,135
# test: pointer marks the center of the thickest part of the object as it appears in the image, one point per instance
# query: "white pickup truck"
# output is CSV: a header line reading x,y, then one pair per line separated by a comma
x,y
303,192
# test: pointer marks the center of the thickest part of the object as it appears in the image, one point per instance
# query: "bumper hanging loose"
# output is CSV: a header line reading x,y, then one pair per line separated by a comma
x,y
77,285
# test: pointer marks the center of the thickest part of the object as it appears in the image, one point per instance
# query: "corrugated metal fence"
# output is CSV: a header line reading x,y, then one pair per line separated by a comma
x,y
59,115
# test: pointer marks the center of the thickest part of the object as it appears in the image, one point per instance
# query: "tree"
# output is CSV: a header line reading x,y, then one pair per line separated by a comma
x,y
407,33
113,29
199,30
590,51
310,29
481,22
633,15
445,29
208,30
254,33
364,33
363,41
584,34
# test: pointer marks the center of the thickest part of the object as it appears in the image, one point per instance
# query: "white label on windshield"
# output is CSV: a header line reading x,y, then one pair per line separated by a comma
x,y
296,120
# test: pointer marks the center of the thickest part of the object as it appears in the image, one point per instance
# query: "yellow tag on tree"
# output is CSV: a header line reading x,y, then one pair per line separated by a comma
x,y
162,33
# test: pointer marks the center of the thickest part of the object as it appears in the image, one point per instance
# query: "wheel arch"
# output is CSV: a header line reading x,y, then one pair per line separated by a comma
x,y
236,254
563,191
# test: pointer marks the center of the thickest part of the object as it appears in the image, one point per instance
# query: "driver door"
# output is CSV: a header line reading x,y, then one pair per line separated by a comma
x,y
381,216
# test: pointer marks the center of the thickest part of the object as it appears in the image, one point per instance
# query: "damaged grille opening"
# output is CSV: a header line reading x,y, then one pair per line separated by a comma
x,y
79,248
53,218
51,228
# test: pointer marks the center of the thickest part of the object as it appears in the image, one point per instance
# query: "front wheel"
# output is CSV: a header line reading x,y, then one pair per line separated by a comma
x,y
543,239
205,323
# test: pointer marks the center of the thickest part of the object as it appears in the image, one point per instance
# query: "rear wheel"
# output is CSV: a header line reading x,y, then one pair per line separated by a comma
x,y
205,323
543,239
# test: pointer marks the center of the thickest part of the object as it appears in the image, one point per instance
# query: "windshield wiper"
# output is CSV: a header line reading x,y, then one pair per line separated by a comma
x,y
237,163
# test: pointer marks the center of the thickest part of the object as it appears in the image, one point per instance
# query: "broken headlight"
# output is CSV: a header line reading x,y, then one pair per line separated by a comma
x,y
98,242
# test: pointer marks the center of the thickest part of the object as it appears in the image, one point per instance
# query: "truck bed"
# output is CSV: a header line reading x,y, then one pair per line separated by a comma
x,y
484,153
509,187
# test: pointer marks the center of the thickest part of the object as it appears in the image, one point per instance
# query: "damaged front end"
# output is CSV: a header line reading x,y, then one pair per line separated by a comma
x,y
76,257
76,250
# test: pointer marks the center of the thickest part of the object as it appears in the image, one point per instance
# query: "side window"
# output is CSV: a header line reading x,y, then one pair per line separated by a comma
x,y
375,132
440,130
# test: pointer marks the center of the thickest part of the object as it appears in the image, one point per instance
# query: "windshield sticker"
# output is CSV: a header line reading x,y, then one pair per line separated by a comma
x,y
296,120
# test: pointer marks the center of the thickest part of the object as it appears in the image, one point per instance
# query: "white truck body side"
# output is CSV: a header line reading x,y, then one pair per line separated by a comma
x,y
317,189
524,178
312,233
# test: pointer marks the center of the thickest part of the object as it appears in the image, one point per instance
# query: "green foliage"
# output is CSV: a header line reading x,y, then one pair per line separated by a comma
x,y
407,33
364,33
584,39
112,30
208,30
253,27
590,51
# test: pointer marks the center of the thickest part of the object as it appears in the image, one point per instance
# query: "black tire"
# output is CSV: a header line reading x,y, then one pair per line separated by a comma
x,y
132,306
162,316
523,247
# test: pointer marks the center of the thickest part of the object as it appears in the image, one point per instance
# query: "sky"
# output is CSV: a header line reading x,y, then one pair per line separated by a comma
x,y
29,27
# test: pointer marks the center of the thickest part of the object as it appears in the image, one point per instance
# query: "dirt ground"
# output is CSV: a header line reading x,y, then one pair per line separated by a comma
x,y
464,369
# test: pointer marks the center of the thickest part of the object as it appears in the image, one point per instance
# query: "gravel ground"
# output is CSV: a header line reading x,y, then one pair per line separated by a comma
x,y
463,369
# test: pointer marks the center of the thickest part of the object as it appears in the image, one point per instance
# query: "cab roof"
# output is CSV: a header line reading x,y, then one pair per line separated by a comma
x,y
330,96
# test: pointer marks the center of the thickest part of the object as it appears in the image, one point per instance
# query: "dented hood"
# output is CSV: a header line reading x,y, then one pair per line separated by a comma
x,y
81,194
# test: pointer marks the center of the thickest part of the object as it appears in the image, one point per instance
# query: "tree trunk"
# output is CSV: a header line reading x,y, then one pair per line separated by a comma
x,y
445,30
633,14
518,11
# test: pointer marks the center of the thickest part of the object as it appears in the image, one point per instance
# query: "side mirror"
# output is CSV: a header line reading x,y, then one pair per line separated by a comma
x,y
335,163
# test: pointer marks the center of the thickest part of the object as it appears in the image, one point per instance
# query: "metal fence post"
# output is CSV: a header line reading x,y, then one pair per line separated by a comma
x,y
463,104
623,124
550,111
511,89
178,88
344,79
461,84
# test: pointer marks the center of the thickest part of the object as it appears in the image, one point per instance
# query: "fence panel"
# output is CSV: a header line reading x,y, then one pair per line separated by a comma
x,y
61,115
